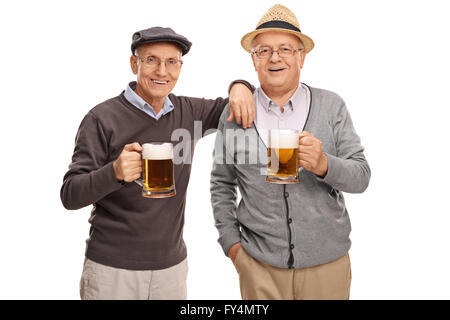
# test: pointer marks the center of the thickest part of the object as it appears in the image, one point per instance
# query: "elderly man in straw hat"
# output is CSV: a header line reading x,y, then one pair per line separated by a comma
x,y
135,248
288,241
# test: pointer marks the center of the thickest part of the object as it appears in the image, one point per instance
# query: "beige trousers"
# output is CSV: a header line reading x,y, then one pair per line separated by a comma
x,y
100,282
258,280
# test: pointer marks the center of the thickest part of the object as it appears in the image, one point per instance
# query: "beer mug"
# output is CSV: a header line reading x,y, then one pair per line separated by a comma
x,y
282,167
157,170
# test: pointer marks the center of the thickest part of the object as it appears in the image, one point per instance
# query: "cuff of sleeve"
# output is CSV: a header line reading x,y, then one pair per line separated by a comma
x,y
228,240
107,178
246,83
332,176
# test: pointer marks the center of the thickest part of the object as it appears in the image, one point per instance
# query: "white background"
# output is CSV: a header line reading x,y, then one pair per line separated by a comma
x,y
387,59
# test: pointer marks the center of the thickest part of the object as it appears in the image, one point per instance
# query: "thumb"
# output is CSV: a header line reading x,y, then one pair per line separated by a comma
x,y
231,116
304,134
133,147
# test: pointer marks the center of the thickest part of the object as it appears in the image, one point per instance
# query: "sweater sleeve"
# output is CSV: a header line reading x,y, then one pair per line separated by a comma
x,y
348,170
90,177
223,192
209,111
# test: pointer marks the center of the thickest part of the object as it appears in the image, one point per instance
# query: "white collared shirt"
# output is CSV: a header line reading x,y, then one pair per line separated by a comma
x,y
269,115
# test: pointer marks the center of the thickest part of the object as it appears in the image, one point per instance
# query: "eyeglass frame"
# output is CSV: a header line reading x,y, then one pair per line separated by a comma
x,y
159,60
294,51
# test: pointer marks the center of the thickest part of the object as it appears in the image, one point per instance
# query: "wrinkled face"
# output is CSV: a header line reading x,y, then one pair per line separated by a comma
x,y
275,72
156,81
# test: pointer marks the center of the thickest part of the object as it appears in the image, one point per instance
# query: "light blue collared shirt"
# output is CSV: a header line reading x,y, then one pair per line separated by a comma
x,y
140,103
269,115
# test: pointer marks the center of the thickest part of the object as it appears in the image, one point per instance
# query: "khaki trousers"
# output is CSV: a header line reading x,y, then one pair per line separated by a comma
x,y
100,282
258,280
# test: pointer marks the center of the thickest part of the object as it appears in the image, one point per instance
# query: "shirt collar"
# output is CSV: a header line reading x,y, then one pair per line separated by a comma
x,y
267,103
140,103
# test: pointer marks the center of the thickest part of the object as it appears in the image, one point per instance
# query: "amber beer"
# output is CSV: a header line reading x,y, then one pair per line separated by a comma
x,y
157,165
283,149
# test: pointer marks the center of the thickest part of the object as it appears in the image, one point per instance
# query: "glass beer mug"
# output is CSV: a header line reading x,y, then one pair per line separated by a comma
x,y
282,167
157,170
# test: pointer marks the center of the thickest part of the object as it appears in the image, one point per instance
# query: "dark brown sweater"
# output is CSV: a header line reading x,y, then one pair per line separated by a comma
x,y
127,230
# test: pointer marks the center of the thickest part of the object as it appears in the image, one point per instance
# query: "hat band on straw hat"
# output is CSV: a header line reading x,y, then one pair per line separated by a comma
x,y
278,18
278,24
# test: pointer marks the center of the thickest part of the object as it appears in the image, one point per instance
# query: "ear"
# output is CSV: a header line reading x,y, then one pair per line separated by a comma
x,y
302,58
254,61
133,64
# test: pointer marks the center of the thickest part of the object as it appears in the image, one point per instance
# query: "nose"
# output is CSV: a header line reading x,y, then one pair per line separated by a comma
x,y
275,57
162,68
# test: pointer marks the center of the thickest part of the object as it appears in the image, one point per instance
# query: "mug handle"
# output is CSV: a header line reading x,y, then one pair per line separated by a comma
x,y
300,169
139,180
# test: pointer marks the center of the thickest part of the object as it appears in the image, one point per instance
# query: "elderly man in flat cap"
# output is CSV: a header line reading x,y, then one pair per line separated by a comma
x,y
288,240
135,248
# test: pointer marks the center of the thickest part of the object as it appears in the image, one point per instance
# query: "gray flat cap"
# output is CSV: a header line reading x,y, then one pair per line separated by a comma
x,y
159,34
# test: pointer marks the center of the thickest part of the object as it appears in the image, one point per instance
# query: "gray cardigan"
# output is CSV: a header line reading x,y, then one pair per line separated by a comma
x,y
289,226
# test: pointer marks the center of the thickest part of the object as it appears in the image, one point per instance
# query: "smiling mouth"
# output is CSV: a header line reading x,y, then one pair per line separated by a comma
x,y
160,82
276,69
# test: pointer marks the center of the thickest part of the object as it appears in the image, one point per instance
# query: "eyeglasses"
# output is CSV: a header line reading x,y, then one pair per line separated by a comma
x,y
171,64
283,52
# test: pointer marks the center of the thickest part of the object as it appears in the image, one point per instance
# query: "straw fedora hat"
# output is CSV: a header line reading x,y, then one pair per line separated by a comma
x,y
278,18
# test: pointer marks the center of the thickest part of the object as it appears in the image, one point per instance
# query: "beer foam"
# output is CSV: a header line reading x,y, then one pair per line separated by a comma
x,y
157,151
283,139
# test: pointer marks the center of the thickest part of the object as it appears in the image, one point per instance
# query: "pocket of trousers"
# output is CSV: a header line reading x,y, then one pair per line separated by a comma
x,y
349,268
238,258
84,288
89,286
